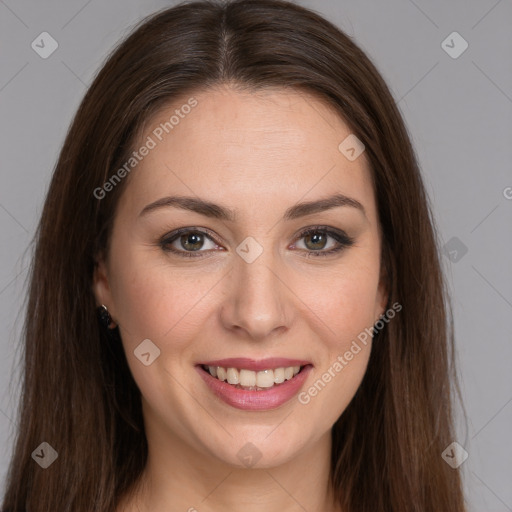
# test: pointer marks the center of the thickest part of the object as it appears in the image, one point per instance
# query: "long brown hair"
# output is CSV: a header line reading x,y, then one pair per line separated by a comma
x,y
78,394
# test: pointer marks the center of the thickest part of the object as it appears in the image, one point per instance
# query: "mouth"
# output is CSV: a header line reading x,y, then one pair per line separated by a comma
x,y
251,385
250,380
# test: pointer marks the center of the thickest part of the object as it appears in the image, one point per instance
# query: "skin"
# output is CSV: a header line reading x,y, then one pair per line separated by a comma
x,y
258,153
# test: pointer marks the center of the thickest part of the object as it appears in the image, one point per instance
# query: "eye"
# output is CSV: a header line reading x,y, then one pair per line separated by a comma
x,y
316,241
188,242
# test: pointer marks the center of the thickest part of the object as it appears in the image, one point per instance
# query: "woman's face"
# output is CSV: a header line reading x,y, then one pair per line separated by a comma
x,y
254,289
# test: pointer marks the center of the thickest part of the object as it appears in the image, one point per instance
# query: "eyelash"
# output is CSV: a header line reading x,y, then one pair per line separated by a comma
x,y
340,237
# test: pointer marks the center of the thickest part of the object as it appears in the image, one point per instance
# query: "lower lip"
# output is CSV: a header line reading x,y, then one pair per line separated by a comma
x,y
262,400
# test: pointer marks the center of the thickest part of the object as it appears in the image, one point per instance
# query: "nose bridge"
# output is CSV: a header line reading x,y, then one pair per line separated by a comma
x,y
256,301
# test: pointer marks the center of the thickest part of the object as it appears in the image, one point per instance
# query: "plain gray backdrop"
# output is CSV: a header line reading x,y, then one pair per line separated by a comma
x,y
457,108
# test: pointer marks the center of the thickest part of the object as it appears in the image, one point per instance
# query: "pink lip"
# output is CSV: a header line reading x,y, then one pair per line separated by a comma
x,y
254,365
255,400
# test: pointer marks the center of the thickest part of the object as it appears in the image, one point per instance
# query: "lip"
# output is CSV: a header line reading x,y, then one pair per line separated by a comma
x,y
262,400
255,365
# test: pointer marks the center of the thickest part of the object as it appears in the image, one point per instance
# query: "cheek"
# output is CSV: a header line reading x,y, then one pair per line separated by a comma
x,y
347,310
343,301
352,307
159,302
344,312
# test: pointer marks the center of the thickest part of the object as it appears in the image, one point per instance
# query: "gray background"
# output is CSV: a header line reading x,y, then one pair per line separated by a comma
x,y
458,111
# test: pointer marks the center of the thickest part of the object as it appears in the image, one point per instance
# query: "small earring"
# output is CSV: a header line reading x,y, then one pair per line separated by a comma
x,y
104,317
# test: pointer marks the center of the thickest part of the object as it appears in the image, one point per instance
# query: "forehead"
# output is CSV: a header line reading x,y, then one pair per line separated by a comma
x,y
246,147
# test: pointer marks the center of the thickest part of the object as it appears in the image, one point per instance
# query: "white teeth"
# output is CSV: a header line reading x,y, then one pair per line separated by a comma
x,y
233,377
221,373
247,378
250,379
265,379
279,375
288,372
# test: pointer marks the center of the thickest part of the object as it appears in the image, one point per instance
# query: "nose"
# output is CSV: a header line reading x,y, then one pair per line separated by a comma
x,y
257,304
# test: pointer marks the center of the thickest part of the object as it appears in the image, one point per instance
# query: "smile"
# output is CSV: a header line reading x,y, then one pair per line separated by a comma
x,y
250,385
252,380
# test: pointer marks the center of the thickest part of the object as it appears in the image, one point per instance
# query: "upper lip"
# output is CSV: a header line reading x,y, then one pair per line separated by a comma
x,y
254,364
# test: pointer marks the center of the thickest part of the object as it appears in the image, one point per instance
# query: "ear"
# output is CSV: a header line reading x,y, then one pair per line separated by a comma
x,y
382,298
100,285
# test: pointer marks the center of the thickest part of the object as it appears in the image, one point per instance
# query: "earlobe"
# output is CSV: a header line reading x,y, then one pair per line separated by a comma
x,y
100,285
384,300
383,294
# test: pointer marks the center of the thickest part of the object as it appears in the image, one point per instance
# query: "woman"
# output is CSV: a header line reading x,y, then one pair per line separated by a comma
x,y
239,204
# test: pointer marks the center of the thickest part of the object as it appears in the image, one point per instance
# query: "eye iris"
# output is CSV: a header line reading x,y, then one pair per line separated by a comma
x,y
194,246
317,239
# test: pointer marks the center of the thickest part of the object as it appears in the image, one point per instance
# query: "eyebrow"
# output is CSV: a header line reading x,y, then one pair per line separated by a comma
x,y
216,211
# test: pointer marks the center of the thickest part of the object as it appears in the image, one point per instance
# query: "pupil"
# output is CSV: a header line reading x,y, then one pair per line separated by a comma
x,y
317,239
185,241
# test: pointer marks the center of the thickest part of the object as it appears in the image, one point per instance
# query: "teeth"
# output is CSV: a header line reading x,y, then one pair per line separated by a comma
x,y
221,373
255,380
247,378
279,375
233,377
265,379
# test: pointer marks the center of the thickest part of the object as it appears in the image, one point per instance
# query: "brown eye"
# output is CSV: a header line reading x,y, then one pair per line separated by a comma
x,y
187,241
315,241
318,241
317,238
192,241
